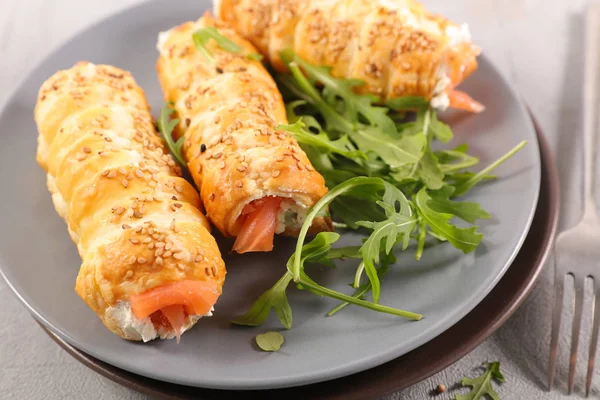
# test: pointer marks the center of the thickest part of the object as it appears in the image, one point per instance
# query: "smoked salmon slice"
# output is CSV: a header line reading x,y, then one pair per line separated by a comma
x,y
195,296
463,101
176,316
258,229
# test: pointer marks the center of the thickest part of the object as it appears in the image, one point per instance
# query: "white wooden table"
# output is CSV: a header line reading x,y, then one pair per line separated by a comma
x,y
537,45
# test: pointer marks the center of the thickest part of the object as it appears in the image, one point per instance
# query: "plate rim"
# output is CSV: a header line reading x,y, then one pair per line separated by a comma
x,y
364,365
167,390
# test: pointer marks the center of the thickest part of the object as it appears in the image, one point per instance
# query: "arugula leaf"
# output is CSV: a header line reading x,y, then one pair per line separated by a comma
x,y
440,130
165,127
269,341
365,288
406,103
316,250
482,385
203,35
274,298
465,239
397,227
321,141
406,150
468,211
344,89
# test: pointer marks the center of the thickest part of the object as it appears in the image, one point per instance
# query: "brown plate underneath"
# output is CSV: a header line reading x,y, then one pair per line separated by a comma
x,y
420,363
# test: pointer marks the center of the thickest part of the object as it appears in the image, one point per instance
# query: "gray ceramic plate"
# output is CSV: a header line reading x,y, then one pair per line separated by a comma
x,y
40,263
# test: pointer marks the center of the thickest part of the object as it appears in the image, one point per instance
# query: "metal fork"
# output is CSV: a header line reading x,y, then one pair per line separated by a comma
x,y
577,250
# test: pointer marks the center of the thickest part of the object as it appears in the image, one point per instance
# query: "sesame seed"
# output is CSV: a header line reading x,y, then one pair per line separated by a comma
x,y
137,214
160,244
139,173
217,155
211,196
111,175
132,260
214,270
222,166
178,205
179,256
105,172
159,252
217,119
122,171
198,258
119,210
309,168
151,245
280,158
147,240
138,229
158,261
167,254
134,241
129,274
125,182
207,271
295,157
107,139
241,168
151,231
125,226
80,156
142,209
238,184
168,246
87,150
275,174
179,188
141,260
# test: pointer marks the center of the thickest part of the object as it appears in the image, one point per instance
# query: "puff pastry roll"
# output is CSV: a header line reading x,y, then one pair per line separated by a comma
x,y
150,268
254,180
396,47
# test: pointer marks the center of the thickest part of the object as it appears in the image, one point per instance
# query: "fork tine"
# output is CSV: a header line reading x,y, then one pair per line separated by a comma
x,y
559,289
594,340
579,291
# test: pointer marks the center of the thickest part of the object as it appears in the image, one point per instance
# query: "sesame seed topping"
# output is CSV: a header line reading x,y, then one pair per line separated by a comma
x,y
138,229
80,156
179,256
134,241
141,260
125,182
159,252
178,205
137,214
158,261
139,173
275,174
122,171
129,274
217,119
222,166
111,175
211,196
105,172
241,168
198,258
217,155
160,244
125,226
147,240
280,158
179,188
107,139
168,246
238,184
167,254
151,245
86,150
132,260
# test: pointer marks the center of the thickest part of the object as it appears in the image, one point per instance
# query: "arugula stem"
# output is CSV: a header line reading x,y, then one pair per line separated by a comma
x,y
358,275
321,204
366,304
466,186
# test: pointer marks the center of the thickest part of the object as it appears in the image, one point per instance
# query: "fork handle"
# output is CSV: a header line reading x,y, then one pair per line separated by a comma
x,y
591,84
